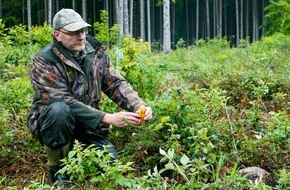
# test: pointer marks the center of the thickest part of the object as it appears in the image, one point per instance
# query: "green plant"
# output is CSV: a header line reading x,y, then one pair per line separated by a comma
x,y
41,35
277,18
283,179
104,33
96,166
180,44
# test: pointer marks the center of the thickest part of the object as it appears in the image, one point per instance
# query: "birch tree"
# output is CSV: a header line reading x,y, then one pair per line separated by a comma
x,y
121,17
126,18
166,26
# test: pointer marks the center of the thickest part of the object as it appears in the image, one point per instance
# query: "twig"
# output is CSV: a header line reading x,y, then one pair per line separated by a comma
x,y
233,135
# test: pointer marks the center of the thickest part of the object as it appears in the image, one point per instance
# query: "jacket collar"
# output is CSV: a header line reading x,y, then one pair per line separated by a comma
x,y
65,56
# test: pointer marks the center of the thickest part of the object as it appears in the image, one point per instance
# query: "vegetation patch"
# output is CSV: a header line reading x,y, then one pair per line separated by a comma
x,y
216,110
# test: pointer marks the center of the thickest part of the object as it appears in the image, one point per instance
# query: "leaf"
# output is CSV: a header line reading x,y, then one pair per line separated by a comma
x,y
169,166
171,153
155,170
184,160
162,152
71,154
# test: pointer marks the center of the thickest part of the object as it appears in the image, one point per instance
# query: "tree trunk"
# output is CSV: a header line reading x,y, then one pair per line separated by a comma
x,y
117,16
255,24
142,20
256,21
74,4
49,12
237,23
0,9
225,20
23,11
197,20
166,26
149,24
242,20
263,16
220,17
207,19
121,17
247,18
153,18
187,23
84,10
29,14
161,27
57,5
45,10
214,17
126,18
131,17
94,16
173,24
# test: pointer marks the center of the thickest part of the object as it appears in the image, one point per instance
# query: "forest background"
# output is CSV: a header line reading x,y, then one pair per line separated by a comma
x,y
187,20
219,107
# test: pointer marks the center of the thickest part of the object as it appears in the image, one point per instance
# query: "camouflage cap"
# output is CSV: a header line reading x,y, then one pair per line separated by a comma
x,y
69,20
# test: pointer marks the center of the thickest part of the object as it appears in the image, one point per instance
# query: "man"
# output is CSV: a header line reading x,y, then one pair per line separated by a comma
x,y
68,77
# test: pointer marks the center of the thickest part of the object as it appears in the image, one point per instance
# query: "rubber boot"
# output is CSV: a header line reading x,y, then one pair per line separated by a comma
x,y
54,156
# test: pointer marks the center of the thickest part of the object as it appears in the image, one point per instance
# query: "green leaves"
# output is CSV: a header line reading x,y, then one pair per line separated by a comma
x,y
104,33
277,18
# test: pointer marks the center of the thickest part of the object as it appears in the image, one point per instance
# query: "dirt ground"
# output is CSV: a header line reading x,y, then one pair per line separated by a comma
x,y
22,167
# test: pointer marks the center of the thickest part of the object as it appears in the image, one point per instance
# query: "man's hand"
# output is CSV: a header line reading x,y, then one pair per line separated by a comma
x,y
122,119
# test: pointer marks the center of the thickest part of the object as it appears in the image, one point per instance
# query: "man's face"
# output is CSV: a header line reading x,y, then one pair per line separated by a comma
x,y
73,41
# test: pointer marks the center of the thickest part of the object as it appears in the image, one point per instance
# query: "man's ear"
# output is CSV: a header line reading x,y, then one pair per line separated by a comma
x,y
56,35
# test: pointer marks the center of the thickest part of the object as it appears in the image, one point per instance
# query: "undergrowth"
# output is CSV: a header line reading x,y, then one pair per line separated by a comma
x,y
216,110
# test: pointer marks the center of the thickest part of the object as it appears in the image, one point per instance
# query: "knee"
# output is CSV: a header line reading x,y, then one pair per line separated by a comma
x,y
57,125
58,110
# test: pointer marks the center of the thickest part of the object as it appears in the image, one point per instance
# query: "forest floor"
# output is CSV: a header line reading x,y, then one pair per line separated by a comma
x,y
24,166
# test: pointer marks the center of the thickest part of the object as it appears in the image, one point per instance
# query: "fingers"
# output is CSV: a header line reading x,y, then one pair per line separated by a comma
x,y
127,118
130,118
148,113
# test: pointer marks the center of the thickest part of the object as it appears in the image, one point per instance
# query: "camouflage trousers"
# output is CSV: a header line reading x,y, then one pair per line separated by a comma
x,y
58,127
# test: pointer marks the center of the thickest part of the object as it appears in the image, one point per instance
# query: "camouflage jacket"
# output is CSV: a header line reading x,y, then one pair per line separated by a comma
x,y
57,76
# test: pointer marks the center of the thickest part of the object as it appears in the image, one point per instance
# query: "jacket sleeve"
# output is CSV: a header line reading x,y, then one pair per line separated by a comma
x,y
50,86
117,88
